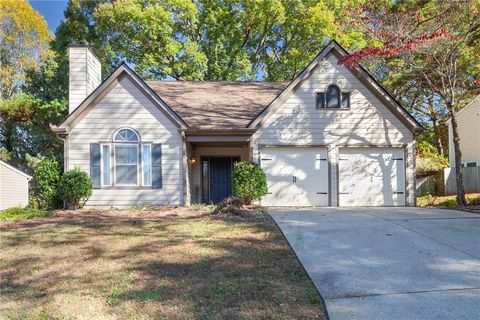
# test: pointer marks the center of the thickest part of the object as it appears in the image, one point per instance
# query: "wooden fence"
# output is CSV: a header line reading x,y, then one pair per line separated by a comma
x,y
430,185
444,183
471,180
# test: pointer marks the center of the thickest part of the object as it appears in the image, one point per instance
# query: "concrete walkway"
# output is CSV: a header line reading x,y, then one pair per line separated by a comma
x,y
389,263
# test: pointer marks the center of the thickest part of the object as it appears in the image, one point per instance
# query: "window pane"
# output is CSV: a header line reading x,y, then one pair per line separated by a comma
x,y
321,100
205,183
106,165
126,154
126,174
126,164
333,97
147,164
345,99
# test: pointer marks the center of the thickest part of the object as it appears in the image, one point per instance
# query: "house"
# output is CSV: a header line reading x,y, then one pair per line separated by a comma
x,y
468,125
13,187
331,137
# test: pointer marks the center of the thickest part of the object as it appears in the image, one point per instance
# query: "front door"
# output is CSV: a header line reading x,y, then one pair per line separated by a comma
x,y
220,178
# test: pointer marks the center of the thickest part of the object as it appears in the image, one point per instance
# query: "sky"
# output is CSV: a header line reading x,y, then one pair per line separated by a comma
x,y
52,10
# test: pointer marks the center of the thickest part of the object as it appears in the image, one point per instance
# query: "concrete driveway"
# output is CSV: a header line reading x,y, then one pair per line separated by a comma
x,y
389,263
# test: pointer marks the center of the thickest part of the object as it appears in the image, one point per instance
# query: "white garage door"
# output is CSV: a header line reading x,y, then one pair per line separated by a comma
x,y
371,177
295,176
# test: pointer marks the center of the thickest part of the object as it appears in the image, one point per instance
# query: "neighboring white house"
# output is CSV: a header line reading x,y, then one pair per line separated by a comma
x,y
13,187
331,137
468,125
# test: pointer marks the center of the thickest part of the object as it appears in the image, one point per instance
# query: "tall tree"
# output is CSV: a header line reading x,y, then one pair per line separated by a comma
x,y
206,40
428,45
24,39
25,127
25,119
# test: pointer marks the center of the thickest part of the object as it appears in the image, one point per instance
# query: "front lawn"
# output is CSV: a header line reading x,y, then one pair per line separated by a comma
x,y
22,214
170,264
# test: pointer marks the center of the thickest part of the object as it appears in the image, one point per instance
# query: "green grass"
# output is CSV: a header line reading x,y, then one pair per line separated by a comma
x,y
13,214
178,268
446,201
201,206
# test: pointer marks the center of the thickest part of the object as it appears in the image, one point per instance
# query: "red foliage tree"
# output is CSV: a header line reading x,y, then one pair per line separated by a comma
x,y
431,47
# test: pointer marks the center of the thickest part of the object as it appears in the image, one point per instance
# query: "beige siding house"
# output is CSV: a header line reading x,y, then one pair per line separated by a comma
x,y
13,187
468,120
331,137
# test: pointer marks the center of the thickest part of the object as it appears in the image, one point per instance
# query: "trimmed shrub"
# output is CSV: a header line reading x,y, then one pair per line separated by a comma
x,y
75,188
249,181
45,184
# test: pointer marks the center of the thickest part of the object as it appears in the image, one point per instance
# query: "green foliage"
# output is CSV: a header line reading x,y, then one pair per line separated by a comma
x,y
45,183
206,40
49,82
24,44
429,161
22,214
5,155
25,127
75,188
33,162
448,203
249,181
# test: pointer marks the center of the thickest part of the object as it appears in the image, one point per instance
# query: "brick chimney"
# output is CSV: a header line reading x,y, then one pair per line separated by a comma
x,y
85,74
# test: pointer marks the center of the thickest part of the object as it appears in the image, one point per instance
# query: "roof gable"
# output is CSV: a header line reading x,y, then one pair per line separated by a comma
x,y
334,48
472,104
6,165
106,86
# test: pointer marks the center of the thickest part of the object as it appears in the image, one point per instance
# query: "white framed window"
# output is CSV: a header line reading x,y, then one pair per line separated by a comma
x,y
126,157
105,167
333,98
125,161
468,164
126,164
147,164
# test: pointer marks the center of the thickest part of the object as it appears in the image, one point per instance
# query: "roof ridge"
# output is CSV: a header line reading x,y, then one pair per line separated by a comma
x,y
219,81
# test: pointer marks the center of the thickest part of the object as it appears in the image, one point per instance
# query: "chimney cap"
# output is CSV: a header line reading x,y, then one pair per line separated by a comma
x,y
81,44
84,44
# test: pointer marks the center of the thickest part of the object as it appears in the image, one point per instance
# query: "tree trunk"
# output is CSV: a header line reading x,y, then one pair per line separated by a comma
x,y
437,137
7,135
458,162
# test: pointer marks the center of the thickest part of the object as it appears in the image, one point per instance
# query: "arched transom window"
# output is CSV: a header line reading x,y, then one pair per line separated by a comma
x,y
126,135
333,98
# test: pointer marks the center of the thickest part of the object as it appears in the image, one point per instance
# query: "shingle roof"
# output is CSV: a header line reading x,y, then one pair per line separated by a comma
x,y
217,104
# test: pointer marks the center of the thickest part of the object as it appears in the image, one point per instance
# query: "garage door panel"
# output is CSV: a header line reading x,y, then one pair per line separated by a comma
x,y
370,200
279,192
295,176
371,177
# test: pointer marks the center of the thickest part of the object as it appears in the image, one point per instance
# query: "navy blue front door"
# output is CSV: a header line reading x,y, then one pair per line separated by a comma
x,y
220,179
